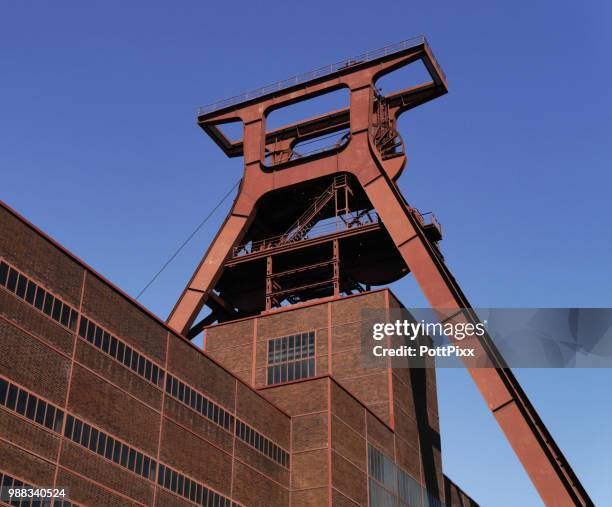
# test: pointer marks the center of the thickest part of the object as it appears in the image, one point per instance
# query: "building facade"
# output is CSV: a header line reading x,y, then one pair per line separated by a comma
x,y
101,398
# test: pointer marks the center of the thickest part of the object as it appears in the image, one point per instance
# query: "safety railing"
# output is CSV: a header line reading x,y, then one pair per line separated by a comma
x,y
318,73
329,226
428,219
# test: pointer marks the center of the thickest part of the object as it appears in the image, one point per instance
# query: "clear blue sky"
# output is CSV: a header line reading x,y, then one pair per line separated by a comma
x,y
99,148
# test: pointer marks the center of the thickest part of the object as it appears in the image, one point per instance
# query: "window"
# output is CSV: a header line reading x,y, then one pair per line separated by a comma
x,y
264,445
291,358
391,486
7,481
26,404
120,351
194,400
31,293
95,440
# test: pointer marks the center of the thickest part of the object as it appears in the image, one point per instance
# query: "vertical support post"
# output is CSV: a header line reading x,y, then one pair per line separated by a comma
x,y
336,259
269,287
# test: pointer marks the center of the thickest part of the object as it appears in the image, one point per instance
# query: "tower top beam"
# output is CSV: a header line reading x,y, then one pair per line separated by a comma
x,y
351,64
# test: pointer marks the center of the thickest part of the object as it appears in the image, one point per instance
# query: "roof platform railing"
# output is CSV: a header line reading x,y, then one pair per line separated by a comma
x,y
322,72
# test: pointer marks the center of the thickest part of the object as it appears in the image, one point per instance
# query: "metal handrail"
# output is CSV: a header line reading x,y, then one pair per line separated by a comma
x,y
329,227
317,73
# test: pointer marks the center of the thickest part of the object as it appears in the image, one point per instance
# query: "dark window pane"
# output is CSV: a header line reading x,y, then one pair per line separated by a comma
x,y
167,478
154,374
50,416
83,327
124,454
112,450
12,280
181,391
69,427
91,330
22,399
270,375
3,389
291,350
179,485
93,440
153,470
173,481
41,407
105,341
31,292
59,419
148,368
145,466
111,443
48,307
12,397
135,356
98,337
65,319
3,273
270,351
78,428
138,463
120,351
175,387
74,316
108,451
102,444
131,459
113,346
40,298
85,435
57,310
127,359
141,365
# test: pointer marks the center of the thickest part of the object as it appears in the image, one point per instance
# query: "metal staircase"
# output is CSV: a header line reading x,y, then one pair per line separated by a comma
x,y
386,138
303,225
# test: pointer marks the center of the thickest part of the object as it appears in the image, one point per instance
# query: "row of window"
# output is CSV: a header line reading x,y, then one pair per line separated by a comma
x,y
16,399
77,430
290,348
99,442
294,370
193,399
264,445
120,351
26,289
8,482
187,488
190,397
302,344
390,486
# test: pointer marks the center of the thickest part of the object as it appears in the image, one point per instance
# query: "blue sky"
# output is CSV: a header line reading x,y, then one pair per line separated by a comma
x,y
99,147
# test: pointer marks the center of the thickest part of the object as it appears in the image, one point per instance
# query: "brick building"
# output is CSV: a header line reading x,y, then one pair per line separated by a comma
x,y
99,396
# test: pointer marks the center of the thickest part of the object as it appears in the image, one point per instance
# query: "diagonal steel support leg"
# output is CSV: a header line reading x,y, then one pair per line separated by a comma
x,y
207,274
544,462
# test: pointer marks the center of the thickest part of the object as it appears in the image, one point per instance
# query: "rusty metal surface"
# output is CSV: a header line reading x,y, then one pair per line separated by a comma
x,y
264,206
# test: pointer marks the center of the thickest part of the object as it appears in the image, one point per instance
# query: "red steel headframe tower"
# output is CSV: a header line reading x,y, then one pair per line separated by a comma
x,y
310,225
